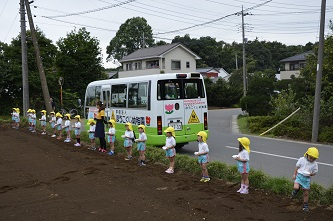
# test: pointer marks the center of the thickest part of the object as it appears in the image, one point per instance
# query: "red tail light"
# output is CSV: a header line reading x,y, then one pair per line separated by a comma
x,y
159,125
205,121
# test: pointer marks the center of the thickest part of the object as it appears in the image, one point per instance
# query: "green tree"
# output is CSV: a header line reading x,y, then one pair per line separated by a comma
x,y
79,62
134,34
259,93
11,70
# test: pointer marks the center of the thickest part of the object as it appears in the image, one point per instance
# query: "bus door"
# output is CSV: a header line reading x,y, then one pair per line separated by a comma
x,y
173,112
106,98
194,105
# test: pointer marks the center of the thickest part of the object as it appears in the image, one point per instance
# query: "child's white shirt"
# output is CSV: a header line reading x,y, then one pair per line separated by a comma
x,y
92,128
53,119
67,123
112,131
43,118
170,141
306,166
129,133
16,115
203,147
59,121
77,125
142,136
244,155
33,116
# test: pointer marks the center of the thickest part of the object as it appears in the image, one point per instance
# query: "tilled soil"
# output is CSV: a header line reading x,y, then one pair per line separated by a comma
x,y
46,179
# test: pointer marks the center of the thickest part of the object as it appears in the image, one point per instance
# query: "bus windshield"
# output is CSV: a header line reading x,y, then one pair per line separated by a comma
x,y
180,89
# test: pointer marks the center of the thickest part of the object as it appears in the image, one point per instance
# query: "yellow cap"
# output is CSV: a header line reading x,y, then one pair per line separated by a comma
x,y
130,127
312,152
113,123
78,117
29,110
52,112
91,121
245,142
142,126
43,111
33,111
68,116
17,110
58,115
204,135
170,130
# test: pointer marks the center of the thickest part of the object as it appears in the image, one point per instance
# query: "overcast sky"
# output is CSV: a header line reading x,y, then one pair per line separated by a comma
x,y
290,22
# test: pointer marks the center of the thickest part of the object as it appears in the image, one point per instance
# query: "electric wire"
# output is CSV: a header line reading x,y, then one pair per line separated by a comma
x,y
95,10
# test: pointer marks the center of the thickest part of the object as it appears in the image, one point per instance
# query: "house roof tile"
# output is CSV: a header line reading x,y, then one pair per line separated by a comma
x,y
154,52
298,57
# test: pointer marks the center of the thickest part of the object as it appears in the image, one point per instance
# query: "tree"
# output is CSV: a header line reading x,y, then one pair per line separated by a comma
x,y
11,70
260,91
79,61
134,34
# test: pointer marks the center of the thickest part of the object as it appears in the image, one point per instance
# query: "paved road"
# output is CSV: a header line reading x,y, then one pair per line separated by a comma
x,y
276,157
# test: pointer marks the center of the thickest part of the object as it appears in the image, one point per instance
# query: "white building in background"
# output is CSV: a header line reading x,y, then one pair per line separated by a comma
x,y
293,65
170,58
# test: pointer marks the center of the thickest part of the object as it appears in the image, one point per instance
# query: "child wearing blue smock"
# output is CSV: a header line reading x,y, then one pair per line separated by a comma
x,y
128,140
111,134
306,167
243,165
142,144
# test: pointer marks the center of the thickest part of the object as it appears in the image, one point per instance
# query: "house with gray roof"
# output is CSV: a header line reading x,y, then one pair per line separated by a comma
x,y
170,58
293,65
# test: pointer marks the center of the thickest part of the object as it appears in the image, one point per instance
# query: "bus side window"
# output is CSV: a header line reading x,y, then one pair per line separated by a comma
x,y
138,95
118,95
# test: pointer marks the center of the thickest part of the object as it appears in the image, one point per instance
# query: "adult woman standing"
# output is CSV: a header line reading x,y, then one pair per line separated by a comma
x,y
100,121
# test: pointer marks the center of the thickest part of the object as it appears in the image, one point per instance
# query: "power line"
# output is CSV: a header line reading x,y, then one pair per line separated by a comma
x,y
3,8
11,26
212,21
94,10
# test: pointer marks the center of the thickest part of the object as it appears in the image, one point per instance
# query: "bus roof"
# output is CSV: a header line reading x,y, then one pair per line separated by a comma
x,y
142,78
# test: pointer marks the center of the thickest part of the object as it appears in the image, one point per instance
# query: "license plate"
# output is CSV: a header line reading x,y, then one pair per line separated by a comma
x,y
176,125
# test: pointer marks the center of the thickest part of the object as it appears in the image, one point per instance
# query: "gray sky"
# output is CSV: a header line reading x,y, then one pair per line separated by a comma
x,y
290,22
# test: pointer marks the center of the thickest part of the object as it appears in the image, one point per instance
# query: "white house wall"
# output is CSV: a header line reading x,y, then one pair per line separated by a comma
x,y
182,55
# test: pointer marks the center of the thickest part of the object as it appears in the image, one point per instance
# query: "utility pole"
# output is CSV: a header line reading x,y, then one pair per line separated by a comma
x,y
25,80
236,61
42,77
316,111
244,60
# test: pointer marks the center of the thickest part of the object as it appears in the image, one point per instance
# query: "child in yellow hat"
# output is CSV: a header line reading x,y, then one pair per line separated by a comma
x,y
77,130
33,120
142,144
16,118
53,123
111,136
128,140
43,121
306,167
58,125
202,154
67,128
170,151
91,132
243,165
29,119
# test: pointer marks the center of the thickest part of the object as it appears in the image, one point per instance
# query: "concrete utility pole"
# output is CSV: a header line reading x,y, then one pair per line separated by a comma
x,y
25,80
316,111
244,60
43,81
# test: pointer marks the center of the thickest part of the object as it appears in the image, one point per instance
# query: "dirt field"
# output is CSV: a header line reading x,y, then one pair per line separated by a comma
x,y
45,179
